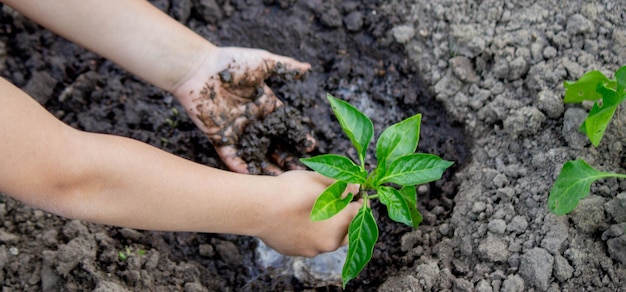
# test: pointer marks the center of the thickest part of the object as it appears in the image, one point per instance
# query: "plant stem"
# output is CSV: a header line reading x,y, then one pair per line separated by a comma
x,y
617,175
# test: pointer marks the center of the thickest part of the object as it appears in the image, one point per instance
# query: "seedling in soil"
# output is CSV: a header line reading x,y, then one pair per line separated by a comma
x,y
392,181
124,255
574,181
607,94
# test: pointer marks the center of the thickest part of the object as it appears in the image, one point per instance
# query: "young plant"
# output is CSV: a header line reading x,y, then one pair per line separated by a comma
x,y
574,181
392,181
607,94
127,252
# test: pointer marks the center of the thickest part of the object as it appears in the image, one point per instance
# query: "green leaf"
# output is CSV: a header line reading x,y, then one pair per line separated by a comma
x,y
337,167
620,76
401,205
362,236
414,169
122,256
398,140
584,88
410,195
355,124
600,115
572,185
329,203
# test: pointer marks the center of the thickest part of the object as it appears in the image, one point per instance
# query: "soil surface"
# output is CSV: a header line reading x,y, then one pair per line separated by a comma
x,y
487,77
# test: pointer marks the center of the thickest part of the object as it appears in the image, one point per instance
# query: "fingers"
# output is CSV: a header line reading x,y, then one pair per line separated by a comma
x,y
268,102
285,67
288,161
251,66
351,211
346,240
353,188
243,77
228,154
284,160
270,168
310,143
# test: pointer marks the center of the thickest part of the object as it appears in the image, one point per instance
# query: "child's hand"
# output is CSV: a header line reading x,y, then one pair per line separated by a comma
x,y
291,231
229,91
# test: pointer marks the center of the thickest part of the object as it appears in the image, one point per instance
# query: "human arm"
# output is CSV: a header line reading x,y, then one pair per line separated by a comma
x,y
131,33
148,43
119,181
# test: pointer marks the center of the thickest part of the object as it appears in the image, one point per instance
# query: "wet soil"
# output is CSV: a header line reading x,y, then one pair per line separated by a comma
x,y
353,57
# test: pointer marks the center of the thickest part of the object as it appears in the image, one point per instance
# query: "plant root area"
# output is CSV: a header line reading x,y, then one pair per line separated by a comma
x,y
486,76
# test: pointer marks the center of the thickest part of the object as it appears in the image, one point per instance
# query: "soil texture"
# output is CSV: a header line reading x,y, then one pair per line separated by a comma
x,y
486,76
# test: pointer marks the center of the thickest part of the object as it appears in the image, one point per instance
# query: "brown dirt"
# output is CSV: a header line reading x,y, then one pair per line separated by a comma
x,y
354,59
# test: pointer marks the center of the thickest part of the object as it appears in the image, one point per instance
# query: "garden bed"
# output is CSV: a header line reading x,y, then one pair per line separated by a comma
x,y
487,78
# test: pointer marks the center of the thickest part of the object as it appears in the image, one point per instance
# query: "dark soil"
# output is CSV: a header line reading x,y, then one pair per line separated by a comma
x,y
353,57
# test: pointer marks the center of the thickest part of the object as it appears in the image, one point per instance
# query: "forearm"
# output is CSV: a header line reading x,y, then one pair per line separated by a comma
x,y
119,181
136,185
131,33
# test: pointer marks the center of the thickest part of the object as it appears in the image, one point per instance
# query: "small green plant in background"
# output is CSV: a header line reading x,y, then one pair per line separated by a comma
x,y
392,181
127,252
574,181
173,122
607,94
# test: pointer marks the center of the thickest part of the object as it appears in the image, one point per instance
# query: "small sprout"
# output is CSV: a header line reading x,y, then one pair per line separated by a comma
x,y
171,123
127,252
122,256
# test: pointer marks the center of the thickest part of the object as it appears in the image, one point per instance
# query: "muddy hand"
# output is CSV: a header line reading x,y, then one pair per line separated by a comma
x,y
230,92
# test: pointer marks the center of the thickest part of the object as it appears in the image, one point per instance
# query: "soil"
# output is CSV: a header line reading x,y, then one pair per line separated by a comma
x,y
487,77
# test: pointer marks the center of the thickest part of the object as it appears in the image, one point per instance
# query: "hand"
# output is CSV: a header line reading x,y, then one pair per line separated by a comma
x,y
291,231
229,91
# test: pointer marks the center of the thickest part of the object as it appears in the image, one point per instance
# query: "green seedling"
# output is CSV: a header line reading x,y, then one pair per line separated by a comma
x,y
574,181
127,252
392,181
607,94
172,123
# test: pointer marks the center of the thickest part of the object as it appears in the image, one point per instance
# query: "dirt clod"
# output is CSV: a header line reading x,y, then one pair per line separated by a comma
x,y
282,131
